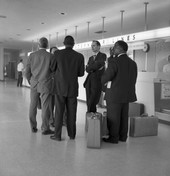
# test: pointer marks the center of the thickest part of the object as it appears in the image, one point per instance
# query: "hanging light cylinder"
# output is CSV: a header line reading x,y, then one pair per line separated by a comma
x,y
65,32
49,41
32,49
121,27
57,39
88,30
37,44
146,25
103,27
76,33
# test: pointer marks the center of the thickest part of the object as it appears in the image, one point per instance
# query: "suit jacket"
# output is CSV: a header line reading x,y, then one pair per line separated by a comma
x,y
95,68
122,72
38,71
68,65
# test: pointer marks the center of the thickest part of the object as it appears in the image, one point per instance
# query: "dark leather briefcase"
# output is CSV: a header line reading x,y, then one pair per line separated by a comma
x,y
136,109
143,126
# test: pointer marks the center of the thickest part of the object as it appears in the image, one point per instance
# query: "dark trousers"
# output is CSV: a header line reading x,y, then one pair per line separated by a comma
x,y
52,121
92,98
20,79
70,103
117,120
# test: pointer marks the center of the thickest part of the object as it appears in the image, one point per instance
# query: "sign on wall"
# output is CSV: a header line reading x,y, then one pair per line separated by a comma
x,y
165,91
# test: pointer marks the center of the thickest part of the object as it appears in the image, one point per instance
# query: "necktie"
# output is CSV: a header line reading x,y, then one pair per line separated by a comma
x,y
94,56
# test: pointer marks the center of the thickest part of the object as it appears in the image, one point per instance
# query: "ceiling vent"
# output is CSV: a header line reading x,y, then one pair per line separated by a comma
x,y
2,16
100,32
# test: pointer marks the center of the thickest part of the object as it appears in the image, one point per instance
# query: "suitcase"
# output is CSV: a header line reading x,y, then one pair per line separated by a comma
x,y
88,115
94,130
143,126
105,131
136,109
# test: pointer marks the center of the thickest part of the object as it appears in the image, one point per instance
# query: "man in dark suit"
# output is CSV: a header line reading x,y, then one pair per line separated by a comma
x,y
68,66
95,68
38,75
120,77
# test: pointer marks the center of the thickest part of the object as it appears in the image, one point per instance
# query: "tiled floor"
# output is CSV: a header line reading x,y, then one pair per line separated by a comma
x,y
23,153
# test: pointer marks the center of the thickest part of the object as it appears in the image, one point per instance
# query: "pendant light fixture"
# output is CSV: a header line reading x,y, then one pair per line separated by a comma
x,y
49,41
37,44
57,39
146,25
103,31
65,32
88,30
121,27
76,34
32,46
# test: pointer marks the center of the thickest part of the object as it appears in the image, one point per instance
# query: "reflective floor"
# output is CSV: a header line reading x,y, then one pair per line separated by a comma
x,y
23,153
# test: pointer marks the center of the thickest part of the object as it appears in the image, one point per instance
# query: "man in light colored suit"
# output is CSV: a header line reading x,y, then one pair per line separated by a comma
x,y
68,66
38,75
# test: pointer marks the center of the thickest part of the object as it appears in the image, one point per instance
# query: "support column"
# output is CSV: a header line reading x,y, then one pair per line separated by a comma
x,y
1,63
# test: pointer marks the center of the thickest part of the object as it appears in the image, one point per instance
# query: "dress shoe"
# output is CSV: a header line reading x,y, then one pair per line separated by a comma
x,y
122,140
47,132
108,140
55,138
34,130
72,138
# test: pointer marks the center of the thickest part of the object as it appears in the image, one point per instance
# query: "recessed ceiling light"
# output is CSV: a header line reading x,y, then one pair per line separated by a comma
x,y
18,34
63,13
3,16
42,23
28,29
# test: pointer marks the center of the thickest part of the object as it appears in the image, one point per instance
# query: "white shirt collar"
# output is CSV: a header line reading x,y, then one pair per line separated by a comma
x,y
121,54
96,53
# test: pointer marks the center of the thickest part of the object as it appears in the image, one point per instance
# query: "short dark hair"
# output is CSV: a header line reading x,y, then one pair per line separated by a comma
x,y
54,47
43,42
97,42
69,40
20,60
122,44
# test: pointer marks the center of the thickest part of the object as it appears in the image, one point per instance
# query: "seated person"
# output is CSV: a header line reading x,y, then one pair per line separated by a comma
x,y
166,67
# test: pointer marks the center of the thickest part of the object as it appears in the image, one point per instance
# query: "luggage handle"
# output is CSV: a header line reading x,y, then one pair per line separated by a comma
x,y
144,115
95,115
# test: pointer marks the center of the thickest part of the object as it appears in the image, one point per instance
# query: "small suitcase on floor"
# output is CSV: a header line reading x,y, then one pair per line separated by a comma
x,y
94,131
104,124
143,126
136,109
88,115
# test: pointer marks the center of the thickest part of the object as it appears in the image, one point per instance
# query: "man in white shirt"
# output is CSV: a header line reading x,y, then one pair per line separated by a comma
x,y
166,67
20,68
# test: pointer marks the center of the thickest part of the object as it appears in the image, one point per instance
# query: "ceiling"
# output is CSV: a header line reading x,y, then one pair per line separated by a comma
x,y
23,22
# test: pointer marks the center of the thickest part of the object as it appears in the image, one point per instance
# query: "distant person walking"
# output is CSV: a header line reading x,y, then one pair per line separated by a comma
x,y
20,69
